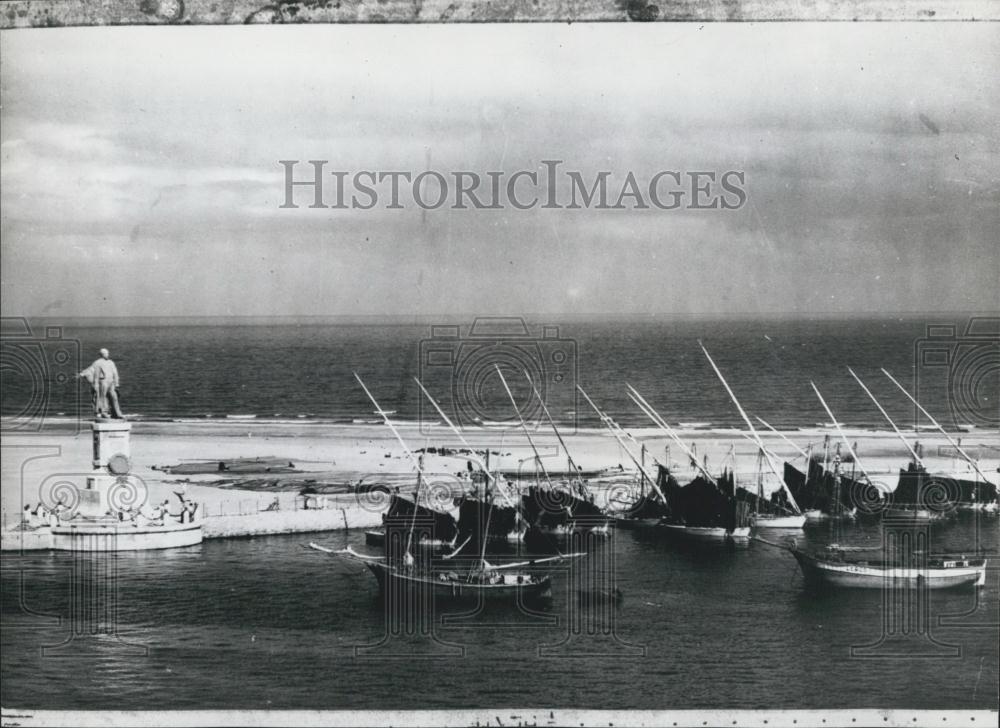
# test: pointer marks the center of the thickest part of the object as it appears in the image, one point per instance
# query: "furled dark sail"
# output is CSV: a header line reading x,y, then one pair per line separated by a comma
x,y
917,487
648,506
551,507
444,527
818,491
701,503
476,516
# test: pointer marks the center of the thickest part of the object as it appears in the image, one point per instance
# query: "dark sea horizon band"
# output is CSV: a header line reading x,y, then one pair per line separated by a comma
x,y
303,373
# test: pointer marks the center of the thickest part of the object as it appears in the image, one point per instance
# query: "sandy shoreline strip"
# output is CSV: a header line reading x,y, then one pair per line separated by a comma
x,y
353,452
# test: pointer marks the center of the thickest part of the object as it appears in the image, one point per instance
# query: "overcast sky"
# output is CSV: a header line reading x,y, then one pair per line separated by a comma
x,y
140,174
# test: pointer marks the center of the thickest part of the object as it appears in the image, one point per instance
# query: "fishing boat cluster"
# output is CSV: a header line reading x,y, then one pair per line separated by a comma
x,y
423,543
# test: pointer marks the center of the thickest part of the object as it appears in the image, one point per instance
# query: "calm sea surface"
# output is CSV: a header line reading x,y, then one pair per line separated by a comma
x,y
304,371
263,623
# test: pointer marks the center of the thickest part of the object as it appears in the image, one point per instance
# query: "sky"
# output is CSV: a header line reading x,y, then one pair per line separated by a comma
x,y
140,169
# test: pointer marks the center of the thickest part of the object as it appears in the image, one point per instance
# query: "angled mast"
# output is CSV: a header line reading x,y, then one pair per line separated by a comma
x,y
841,432
802,452
913,452
465,442
576,468
524,427
753,431
927,414
612,425
413,458
652,414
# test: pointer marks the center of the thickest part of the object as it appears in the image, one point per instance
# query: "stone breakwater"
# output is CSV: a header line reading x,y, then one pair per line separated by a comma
x,y
339,513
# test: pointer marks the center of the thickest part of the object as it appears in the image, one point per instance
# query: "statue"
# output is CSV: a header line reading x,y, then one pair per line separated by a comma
x,y
103,378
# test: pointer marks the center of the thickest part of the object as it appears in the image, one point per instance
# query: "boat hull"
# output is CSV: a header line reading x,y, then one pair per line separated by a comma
x,y
793,522
861,575
706,533
105,537
917,515
377,538
635,523
390,578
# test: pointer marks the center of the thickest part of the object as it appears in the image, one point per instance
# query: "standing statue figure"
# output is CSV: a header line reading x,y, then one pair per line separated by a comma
x,y
103,378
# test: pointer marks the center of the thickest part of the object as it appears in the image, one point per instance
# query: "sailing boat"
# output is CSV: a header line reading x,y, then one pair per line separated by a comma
x,y
650,506
482,580
814,490
706,509
503,523
782,514
918,486
444,529
556,510
833,567
774,511
863,492
807,488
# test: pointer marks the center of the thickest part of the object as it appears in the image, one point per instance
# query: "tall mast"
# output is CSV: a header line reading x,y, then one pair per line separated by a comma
x,y
802,452
615,429
913,452
927,414
753,431
524,427
573,466
662,423
458,434
841,432
642,471
413,458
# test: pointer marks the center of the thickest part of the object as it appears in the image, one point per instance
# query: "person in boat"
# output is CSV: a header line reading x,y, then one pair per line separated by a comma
x,y
103,377
162,512
56,514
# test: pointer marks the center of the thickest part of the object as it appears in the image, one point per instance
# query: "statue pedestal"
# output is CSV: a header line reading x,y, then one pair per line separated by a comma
x,y
111,437
98,525
111,458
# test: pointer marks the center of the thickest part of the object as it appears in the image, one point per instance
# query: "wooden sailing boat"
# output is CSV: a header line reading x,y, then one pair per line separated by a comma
x,y
909,499
481,580
481,516
552,510
804,488
978,494
706,509
650,506
833,567
484,580
861,492
584,512
792,516
444,532
773,512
